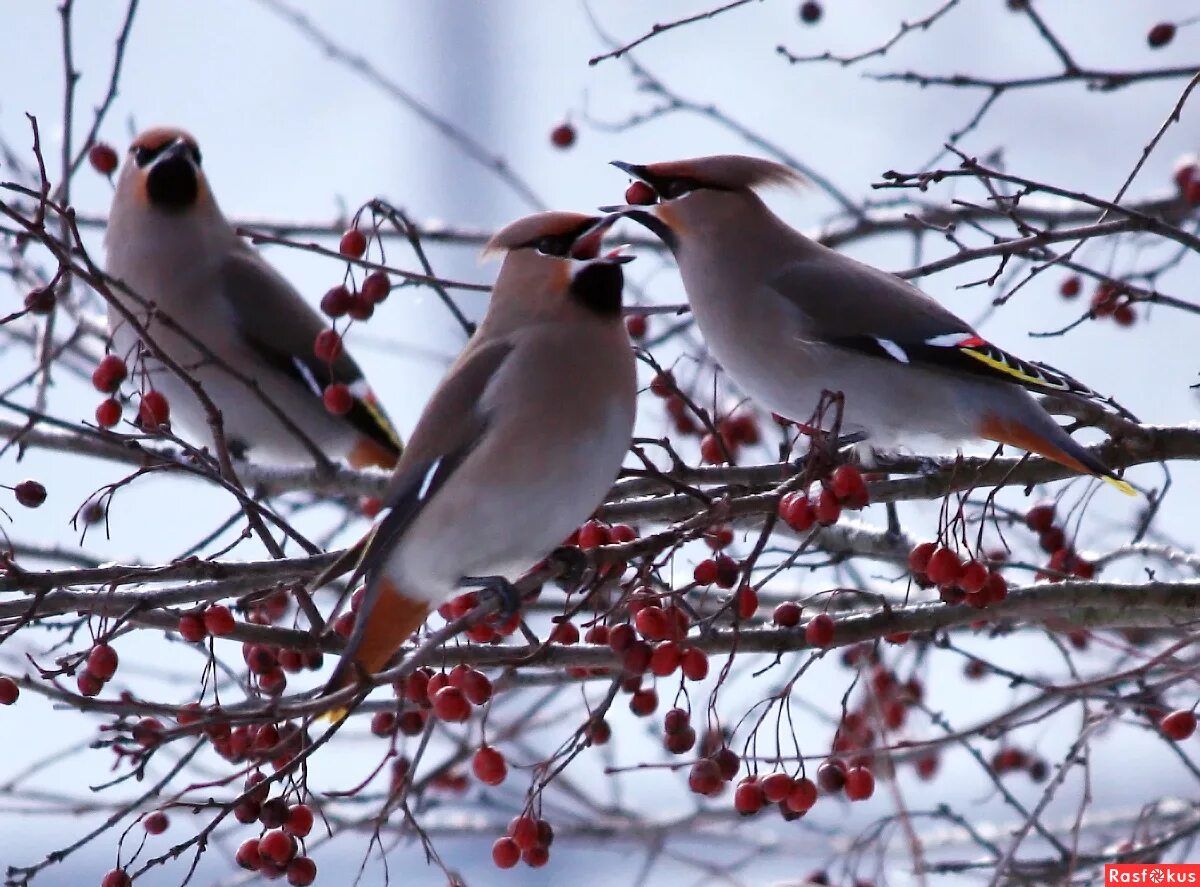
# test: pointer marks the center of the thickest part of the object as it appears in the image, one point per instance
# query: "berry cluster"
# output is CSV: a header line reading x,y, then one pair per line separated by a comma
x,y
1064,561
527,840
974,583
101,665
277,852
845,488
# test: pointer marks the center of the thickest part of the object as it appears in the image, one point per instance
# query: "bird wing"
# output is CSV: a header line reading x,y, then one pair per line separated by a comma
x,y
451,426
850,305
278,325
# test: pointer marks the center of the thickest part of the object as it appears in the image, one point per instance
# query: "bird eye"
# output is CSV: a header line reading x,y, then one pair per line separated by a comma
x,y
676,188
551,246
142,156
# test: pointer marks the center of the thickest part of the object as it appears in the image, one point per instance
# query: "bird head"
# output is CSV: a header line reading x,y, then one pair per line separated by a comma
x,y
162,172
678,198
554,259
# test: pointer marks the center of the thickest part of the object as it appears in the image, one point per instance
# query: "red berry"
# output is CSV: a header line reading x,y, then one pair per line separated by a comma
x,y
148,732
640,194
593,534
831,776
299,821
1124,315
103,158
665,658
109,373
1191,194
973,578
1178,725
621,638
705,777
353,244
746,601
156,823
1052,540
848,485
944,567
918,558
776,787
796,511
108,413
1104,300
450,704
489,766
563,135
89,685
505,853
748,797
154,410
597,731
787,614
338,399
477,687
681,742
360,308
536,857
636,326
1040,517
102,661
706,572
694,664
524,831
116,878
802,795
1161,34
996,588
9,691
728,763
327,346
651,623
301,871
277,846
30,493
810,12
711,450
218,620
728,571
192,628
819,631
827,508
637,658
643,703
336,302
676,721
376,287
1070,286
248,856
860,784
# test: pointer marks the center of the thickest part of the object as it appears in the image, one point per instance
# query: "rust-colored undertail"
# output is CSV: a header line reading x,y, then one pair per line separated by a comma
x,y
392,620
1017,434
368,453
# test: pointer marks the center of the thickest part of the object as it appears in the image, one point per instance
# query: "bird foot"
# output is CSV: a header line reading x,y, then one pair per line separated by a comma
x,y
505,591
572,564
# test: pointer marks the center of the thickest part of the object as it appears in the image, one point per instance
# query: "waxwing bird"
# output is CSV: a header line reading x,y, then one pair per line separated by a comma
x,y
788,318
517,446
169,243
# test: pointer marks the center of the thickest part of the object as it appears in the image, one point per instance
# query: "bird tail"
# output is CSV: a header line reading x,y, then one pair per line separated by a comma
x,y
385,621
369,452
1040,434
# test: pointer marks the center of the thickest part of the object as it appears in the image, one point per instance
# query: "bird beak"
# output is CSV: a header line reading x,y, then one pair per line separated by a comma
x,y
587,246
647,216
178,150
637,170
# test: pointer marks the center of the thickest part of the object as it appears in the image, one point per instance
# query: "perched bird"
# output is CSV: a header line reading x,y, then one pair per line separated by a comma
x,y
788,318
169,243
518,444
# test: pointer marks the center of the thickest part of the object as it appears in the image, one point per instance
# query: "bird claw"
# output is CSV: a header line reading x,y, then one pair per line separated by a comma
x,y
505,592
572,564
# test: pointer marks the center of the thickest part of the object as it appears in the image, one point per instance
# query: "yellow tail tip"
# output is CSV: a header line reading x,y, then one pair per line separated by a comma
x,y
334,715
1119,484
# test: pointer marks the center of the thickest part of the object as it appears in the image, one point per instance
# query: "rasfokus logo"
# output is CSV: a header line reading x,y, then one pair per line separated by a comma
x,y
1152,873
